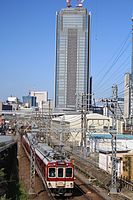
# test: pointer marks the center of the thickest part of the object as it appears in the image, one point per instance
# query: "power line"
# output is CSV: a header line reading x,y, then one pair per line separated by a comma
x,y
115,79
109,88
110,67
121,47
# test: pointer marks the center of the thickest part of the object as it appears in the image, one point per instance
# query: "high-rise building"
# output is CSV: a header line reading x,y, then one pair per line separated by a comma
x,y
29,101
120,109
41,97
127,93
72,56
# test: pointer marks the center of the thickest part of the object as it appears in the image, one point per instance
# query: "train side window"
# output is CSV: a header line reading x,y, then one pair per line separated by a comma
x,y
68,172
51,172
60,172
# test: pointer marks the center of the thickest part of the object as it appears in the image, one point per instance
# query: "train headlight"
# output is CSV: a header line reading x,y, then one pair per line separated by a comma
x,y
71,184
49,185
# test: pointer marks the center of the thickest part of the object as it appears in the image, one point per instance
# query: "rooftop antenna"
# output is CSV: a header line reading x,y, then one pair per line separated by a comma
x,y
68,3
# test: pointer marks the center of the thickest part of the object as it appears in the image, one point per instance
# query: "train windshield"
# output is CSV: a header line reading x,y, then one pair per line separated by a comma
x,y
68,172
52,172
60,172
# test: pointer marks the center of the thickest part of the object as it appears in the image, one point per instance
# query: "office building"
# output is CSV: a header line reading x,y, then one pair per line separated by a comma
x,y
72,56
127,93
41,97
120,109
29,101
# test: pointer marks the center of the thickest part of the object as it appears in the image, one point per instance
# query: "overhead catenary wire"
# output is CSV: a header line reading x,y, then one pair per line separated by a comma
x,y
110,88
107,91
121,67
117,52
115,80
110,67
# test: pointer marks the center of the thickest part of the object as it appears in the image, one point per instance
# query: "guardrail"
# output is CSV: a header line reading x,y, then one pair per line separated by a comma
x,y
128,185
6,146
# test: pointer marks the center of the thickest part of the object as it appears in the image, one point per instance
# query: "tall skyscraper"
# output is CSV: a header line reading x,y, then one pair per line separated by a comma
x,y
128,90
72,55
131,84
127,93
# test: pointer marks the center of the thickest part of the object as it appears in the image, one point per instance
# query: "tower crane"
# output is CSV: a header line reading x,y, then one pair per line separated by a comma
x,y
68,3
80,3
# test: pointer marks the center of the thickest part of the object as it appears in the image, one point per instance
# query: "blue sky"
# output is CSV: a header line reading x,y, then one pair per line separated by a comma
x,y
27,44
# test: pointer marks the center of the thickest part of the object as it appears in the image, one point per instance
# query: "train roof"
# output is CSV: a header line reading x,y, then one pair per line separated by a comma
x,y
109,136
47,152
50,154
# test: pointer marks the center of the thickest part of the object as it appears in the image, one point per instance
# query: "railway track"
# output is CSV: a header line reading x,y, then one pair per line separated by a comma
x,y
82,192
24,176
93,172
86,190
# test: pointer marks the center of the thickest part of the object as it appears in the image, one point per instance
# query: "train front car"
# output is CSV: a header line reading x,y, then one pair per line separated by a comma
x,y
56,172
60,177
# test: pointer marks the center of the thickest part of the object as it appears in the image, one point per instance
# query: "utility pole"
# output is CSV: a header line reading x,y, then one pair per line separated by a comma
x,y
62,131
49,122
84,100
113,188
37,136
42,108
113,108
32,165
85,120
115,105
82,122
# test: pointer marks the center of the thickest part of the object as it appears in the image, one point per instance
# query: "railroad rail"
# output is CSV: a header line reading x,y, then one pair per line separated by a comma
x,y
50,195
127,184
90,169
82,191
95,174
86,192
91,177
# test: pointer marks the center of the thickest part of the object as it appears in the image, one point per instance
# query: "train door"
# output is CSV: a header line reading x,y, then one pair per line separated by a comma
x,y
61,177
60,172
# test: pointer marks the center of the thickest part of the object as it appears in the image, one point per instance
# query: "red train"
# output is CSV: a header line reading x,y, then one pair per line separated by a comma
x,y
57,173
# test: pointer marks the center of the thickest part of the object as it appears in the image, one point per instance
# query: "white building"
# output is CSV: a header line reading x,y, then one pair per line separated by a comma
x,y
48,106
12,99
102,142
41,97
105,161
14,102
95,123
